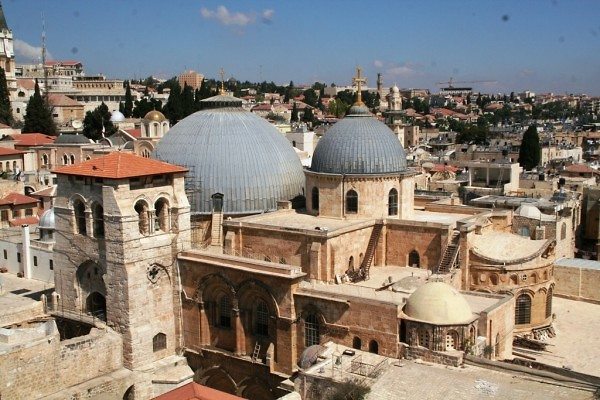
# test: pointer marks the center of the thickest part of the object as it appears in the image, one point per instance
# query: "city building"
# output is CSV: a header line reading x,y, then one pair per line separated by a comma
x,y
190,78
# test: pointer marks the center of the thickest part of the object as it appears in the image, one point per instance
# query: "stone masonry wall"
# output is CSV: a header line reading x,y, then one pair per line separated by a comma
x,y
577,283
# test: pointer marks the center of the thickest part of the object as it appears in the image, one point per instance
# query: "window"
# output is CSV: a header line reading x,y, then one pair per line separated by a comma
x,y
98,217
523,310
414,260
451,340
79,209
356,343
549,303
161,215
15,214
311,331
51,264
28,212
141,208
261,326
393,202
563,231
65,159
5,254
35,261
351,264
19,257
424,338
224,312
315,199
351,202
72,159
4,215
524,231
159,342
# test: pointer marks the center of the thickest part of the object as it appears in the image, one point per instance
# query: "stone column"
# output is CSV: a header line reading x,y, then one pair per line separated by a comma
x,y
240,339
203,332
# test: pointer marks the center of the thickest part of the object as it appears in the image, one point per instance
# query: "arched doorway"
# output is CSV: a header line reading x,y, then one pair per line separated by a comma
x,y
374,347
96,305
414,260
356,343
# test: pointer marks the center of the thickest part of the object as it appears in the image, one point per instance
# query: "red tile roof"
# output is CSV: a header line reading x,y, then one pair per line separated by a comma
x,y
442,168
60,100
5,151
26,83
25,220
32,139
16,199
580,169
119,165
195,391
136,133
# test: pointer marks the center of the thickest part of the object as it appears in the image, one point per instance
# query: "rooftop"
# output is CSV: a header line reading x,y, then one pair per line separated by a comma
x,y
505,247
119,165
16,199
195,391
32,139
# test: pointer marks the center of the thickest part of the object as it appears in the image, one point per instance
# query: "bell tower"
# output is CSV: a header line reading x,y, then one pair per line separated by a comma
x,y
121,219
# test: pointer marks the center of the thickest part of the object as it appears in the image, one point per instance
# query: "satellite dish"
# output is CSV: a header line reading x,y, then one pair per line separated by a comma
x,y
77,124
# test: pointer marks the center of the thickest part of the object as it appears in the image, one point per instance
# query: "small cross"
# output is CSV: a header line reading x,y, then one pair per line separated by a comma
x,y
358,80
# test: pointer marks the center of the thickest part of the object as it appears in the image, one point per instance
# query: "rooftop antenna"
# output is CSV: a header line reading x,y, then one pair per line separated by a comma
x,y
44,57
222,73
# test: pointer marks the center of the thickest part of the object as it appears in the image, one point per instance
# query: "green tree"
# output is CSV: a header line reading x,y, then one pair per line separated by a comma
x,y
128,106
294,116
310,97
173,108
6,116
97,124
144,106
308,115
289,92
530,152
187,101
38,115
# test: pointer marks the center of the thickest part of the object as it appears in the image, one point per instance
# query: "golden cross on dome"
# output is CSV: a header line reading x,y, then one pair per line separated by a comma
x,y
358,80
222,73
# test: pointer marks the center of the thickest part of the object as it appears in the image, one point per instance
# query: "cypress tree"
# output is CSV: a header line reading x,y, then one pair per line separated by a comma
x,y
294,116
128,107
6,116
38,115
97,123
530,152
187,101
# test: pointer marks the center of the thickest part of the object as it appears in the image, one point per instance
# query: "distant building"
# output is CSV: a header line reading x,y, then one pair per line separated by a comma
x,y
190,78
7,54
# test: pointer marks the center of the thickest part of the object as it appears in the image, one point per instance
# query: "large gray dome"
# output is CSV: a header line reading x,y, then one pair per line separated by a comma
x,y
359,144
235,153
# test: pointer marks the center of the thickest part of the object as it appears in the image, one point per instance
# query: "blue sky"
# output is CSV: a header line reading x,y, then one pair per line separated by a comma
x,y
540,45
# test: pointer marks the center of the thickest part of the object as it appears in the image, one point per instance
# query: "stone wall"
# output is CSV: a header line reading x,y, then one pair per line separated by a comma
x,y
577,283
428,239
453,358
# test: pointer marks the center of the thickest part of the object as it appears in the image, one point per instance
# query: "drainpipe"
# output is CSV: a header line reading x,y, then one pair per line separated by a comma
x,y
26,261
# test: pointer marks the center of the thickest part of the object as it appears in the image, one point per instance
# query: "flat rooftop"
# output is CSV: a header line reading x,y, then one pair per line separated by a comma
x,y
504,246
577,263
291,219
19,298
441,218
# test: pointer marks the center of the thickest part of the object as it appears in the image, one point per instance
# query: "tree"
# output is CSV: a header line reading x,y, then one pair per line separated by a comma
x,y
144,106
6,116
530,152
310,97
38,115
308,115
294,117
173,108
128,106
97,124
187,101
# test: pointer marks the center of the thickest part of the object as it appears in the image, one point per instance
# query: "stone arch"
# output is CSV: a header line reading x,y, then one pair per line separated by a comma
x,y
254,388
72,158
142,210
351,201
351,264
313,322
563,231
162,214
356,343
65,159
549,296
494,279
129,393
523,308
373,347
533,278
218,378
79,209
393,202
251,284
514,279
159,342
98,220
45,159
213,279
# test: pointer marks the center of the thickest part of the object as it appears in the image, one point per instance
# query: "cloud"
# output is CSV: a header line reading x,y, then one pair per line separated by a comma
x,y
378,63
236,19
28,51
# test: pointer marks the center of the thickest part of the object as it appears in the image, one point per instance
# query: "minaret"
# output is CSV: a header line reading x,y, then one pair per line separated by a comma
x,y
7,54
380,85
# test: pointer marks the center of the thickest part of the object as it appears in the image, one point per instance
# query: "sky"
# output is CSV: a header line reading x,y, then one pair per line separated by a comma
x,y
538,45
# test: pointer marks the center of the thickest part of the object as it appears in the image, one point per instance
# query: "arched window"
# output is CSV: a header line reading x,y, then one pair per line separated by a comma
x,y
414,260
159,342
563,231
497,346
44,159
161,215
374,347
98,218
311,330
141,208
72,159
65,159
356,343
523,310
14,165
524,231
351,263
424,338
494,279
514,280
96,305
451,340
393,202
224,312
351,202
261,316
549,303
315,199
79,209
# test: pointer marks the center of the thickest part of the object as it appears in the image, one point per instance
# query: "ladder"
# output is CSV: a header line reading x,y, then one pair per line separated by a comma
x,y
370,253
450,254
255,352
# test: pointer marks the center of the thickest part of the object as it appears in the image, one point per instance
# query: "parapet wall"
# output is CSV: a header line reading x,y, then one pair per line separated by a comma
x,y
577,283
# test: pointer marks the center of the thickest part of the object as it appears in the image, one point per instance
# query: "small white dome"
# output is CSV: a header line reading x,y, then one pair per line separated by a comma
x,y
117,116
394,89
47,220
438,303
528,211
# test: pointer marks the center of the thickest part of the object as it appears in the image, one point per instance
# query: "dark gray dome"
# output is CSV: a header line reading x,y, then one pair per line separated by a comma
x,y
67,138
236,153
359,144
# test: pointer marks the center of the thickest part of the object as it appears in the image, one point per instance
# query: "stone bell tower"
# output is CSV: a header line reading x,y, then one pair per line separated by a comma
x,y
121,219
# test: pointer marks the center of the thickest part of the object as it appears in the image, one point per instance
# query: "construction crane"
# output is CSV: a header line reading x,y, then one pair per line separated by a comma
x,y
451,81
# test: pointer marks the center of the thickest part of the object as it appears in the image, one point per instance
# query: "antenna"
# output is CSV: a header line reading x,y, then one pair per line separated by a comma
x,y
44,56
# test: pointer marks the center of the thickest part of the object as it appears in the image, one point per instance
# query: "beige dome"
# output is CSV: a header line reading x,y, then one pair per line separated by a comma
x,y
529,211
438,303
155,116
